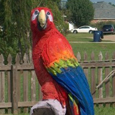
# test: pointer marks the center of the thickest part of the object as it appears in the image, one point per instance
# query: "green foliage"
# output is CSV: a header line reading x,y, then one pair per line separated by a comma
x,y
82,11
112,4
15,20
1,12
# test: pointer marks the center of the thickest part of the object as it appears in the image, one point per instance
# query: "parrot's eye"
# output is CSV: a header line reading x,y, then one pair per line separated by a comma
x,y
48,13
35,14
49,16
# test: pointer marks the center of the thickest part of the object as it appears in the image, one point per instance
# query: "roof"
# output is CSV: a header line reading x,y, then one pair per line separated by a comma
x,y
104,10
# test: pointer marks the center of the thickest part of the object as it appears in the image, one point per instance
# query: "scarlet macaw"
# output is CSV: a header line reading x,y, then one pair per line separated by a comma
x,y
60,62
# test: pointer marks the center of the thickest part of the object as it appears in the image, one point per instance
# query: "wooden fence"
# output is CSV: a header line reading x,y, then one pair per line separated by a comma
x,y
19,88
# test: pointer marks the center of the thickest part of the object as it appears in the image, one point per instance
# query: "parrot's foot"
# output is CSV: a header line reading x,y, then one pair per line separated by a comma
x,y
43,111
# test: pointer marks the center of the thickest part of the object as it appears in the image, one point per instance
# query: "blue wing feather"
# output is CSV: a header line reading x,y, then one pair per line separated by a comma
x,y
75,82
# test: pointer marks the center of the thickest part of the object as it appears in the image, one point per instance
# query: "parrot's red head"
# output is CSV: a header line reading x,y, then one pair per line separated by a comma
x,y
41,18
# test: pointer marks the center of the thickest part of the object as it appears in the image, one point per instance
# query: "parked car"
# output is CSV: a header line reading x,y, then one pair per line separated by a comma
x,y
84,29
108,29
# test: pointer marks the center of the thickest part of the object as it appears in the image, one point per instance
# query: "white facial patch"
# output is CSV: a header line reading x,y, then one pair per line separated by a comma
x,y
49,16
35,14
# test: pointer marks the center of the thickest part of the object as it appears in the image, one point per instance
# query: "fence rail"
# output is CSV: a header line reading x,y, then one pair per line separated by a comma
x,y
19,88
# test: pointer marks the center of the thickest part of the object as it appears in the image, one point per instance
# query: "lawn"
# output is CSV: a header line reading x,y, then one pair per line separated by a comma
x,y
98,111
104,110
83,43
82,37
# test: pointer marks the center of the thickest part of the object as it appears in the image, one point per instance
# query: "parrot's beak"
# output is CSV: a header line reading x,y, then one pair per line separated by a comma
x,y
42,18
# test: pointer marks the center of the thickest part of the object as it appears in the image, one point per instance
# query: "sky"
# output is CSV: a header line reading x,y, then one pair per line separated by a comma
x,y
112,1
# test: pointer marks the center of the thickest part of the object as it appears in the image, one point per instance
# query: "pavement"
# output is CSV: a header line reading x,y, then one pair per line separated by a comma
x,y
109,37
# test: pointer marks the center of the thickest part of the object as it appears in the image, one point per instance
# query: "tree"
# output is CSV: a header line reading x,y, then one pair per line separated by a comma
x,y
82,11
15,20
112,4
16,25
5,22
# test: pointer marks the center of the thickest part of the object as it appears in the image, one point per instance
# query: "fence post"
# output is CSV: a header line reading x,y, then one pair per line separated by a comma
x,y
107,84
93,79
86,69
100,78
14,96
113,80
2,84
78,57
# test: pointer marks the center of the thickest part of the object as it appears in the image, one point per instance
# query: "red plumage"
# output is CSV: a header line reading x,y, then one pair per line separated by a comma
x,y
50,89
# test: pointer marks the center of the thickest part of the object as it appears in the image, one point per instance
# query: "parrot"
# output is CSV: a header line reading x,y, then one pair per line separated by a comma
x,y
54,60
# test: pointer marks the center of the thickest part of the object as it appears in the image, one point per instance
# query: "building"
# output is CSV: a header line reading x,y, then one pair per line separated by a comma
x,y
103,12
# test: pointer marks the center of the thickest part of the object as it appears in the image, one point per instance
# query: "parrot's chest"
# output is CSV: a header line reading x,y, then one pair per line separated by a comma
x,y
41,72
37,56
39,44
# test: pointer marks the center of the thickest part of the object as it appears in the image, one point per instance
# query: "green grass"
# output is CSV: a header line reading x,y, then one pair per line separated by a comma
x,y
98,111
89,46
93,47
82,37
104,110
